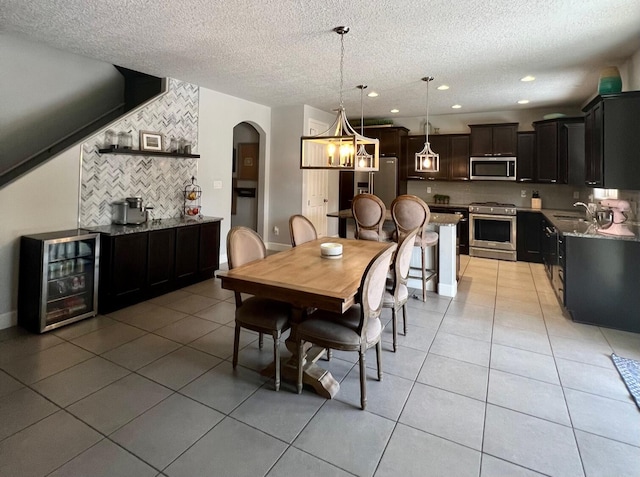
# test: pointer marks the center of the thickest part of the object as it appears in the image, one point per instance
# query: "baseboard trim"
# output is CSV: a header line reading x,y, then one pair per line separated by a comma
x,y
9,319
277,247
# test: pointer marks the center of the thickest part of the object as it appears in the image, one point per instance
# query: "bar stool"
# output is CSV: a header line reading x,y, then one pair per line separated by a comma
x,y
369,213
409,212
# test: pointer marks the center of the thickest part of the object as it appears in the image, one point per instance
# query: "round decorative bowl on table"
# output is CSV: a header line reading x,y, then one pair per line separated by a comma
x,y
331,250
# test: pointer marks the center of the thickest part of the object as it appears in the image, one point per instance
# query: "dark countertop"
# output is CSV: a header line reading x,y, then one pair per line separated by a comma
x,y
579,227
159,224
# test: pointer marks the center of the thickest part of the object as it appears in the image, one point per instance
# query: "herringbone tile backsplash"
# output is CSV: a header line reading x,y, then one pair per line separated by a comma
x,y
107,178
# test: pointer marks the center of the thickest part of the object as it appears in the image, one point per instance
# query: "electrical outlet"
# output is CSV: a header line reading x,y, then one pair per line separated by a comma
x,y
523,193
576,194
217,184
428,190
276,230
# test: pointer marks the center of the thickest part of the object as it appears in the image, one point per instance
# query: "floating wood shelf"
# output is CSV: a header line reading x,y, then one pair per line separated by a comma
x,y
138,152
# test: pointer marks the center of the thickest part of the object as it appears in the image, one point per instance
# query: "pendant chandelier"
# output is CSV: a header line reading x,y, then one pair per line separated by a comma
x,y
363,158
427,160
339,147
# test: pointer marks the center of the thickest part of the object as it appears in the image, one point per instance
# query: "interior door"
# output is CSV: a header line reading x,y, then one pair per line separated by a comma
x,y
315,188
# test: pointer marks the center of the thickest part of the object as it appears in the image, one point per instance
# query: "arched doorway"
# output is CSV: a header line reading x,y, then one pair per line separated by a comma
x,y
246,176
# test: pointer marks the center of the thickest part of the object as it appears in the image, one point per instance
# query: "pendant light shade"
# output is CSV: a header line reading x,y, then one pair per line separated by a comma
x,y
340,147
427,160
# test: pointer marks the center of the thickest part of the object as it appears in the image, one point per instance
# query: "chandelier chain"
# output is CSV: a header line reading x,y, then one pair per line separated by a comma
x,y
341,68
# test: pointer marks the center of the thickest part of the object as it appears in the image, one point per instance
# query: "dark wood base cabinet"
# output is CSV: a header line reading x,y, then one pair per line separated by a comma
x,y
529,233
138,266
601,277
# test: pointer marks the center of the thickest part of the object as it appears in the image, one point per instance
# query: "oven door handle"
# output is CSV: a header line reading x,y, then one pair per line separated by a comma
x,y
492,216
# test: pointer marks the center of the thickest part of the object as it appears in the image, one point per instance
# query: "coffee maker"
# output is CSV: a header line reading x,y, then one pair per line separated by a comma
x,y
130,211
617,226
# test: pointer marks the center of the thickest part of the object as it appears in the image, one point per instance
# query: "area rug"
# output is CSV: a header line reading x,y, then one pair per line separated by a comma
x,y
629,369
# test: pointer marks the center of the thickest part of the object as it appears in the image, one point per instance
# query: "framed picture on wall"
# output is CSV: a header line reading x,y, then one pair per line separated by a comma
x,y
150,141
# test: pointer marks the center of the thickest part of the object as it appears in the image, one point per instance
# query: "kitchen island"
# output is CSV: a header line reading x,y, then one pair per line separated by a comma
x,y
139,262
595,275
445,225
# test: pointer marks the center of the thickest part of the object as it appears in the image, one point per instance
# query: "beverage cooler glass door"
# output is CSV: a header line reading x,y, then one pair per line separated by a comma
x,y
70,289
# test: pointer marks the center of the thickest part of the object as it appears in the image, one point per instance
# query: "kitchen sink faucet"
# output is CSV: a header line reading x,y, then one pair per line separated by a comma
x,y
589,213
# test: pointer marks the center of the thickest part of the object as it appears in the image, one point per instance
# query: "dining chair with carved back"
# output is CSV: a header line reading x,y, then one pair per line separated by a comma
x,y
255,313
301,230
408,212
369,213
397,292
357,329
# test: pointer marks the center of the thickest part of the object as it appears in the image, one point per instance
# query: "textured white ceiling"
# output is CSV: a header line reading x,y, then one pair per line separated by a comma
x,y
283,52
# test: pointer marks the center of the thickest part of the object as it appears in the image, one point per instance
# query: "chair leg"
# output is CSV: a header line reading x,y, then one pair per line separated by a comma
x,y
379,358
276,357
394,327
300,357
363,379
236,345
424,274
260,340
404,318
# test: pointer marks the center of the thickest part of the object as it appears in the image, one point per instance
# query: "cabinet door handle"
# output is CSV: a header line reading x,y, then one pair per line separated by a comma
x,y
553,181
525,179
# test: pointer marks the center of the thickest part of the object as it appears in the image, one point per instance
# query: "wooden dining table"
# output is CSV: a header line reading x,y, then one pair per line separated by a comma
x,y
302,277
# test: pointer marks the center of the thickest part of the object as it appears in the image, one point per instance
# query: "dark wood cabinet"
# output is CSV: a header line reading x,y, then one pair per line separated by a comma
x,y
599,290
494,139
138,266
209,258
525,165
128,274
453,150
612,140
529,236
390,138
459,157
160,260
187,250
559,146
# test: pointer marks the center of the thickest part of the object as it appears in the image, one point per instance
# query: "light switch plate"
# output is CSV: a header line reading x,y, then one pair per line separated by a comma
x,y
217,184
576,194
428,190
523,193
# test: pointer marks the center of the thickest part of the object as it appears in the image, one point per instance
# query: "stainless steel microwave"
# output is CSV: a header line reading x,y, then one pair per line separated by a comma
x,y
492,168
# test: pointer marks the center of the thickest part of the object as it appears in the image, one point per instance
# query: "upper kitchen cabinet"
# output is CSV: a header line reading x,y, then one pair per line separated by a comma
x,y
454,156
560,151
459,157
494,139
612,141
390,138
525,167
415,144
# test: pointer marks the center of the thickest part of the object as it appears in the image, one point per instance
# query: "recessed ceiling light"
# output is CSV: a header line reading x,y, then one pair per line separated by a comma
x,y
523,101
456,106
373,94
528,78
442,87
395,110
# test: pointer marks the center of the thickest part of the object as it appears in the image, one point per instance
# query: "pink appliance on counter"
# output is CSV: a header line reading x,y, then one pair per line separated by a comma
x,y
619,209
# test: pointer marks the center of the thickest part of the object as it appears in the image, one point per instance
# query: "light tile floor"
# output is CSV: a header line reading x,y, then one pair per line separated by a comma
x,y
496,382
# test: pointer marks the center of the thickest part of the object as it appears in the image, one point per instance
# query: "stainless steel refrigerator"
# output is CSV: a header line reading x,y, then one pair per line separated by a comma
x,y
383,183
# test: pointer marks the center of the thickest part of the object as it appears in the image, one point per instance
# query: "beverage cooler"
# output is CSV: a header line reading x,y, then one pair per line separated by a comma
x,y
58,281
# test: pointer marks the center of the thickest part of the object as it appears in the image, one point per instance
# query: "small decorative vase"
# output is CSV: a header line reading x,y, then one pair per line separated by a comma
x,y
610,81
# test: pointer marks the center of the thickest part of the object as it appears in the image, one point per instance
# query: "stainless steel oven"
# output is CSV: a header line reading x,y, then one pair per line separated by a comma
x,y
492,230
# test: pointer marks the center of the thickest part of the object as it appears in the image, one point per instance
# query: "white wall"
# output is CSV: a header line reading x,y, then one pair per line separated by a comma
x,y
219,114
47,94
632,69
44,200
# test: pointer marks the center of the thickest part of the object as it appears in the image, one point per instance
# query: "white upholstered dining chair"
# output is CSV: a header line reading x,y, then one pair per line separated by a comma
x,y
358,329
255,313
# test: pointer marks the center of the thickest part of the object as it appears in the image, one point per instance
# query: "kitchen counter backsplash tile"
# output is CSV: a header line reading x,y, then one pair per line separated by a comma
x,y
158,180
